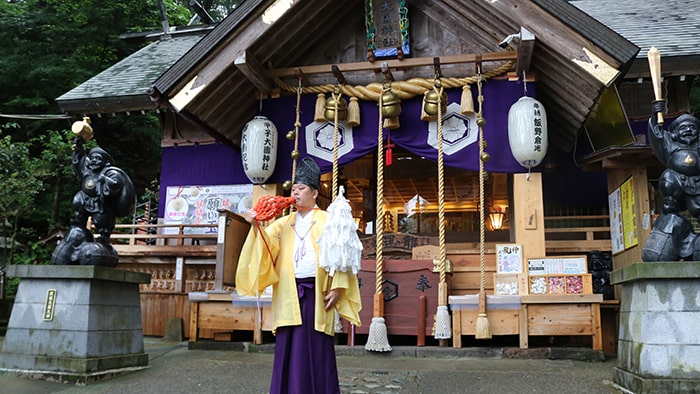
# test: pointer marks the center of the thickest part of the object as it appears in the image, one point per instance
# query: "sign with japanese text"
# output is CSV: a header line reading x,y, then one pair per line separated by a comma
x,y
201,205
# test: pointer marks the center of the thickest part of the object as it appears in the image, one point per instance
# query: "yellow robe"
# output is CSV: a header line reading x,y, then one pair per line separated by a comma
x,y
259,268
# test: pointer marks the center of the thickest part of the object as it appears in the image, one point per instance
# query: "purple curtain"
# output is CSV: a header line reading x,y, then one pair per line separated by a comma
x,y
499,95
217,164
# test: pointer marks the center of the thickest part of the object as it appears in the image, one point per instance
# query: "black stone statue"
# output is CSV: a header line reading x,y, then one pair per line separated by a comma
x,y
672,236
106,193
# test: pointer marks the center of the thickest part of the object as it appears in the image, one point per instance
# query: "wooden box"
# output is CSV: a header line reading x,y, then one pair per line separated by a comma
x,y
410,290
503,314
560,284
212,313
510,284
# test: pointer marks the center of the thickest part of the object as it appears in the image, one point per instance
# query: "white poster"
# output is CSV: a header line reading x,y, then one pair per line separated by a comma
x,y
201,204
617,234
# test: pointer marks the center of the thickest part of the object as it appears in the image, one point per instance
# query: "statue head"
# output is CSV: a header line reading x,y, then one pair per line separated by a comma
x,y
685,129
98,159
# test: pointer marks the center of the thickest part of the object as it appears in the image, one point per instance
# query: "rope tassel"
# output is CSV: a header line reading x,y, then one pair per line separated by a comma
x,y
466,106
353,112
319,112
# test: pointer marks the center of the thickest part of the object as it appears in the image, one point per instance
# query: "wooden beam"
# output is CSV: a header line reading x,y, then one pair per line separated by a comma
x,y
393,63
526,46
251,67
338,74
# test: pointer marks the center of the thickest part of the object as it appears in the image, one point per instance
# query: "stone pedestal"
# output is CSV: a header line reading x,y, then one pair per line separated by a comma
x,y
659,338
74,323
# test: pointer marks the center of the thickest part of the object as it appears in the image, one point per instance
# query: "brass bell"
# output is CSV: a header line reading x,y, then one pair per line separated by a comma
x,y
329,113
391,104
430,103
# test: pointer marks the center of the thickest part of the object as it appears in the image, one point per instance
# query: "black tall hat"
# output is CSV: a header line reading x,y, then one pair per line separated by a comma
x,y
308,173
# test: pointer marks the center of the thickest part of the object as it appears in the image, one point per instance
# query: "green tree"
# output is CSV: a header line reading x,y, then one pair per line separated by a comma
x,y
50,47
20,177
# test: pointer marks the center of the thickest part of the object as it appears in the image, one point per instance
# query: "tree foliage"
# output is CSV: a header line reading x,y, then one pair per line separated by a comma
x,y
20,177
48,48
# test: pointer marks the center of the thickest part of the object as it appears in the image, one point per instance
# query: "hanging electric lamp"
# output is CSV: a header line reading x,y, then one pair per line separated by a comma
x,y
527,131
259,149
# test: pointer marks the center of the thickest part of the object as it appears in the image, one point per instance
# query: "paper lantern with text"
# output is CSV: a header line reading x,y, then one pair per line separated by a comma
x,y
527,131
259,149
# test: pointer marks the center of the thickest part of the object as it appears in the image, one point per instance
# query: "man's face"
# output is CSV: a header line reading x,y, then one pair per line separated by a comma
x,y
95,161
687,133
304,195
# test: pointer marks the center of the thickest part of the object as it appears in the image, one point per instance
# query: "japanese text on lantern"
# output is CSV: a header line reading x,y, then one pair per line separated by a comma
x,y
267,147
244,152
537,123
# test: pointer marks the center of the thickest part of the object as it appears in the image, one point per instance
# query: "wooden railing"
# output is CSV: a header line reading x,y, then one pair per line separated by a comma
x,y
150,240
562,234
157,234
565,234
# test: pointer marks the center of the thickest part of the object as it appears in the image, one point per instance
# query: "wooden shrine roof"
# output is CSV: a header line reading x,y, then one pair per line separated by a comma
x,y
215,82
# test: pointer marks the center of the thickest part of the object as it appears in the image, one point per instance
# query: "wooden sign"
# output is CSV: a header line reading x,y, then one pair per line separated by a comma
x,y
387,28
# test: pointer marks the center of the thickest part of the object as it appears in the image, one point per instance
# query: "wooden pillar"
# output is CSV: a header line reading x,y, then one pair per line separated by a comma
x,y
528,214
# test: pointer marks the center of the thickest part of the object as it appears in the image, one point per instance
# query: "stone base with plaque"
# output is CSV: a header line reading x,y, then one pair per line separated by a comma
x,y
74,323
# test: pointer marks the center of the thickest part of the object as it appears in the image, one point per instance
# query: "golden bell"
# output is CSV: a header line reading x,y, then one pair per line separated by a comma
x,y
391,104
430,103
329,113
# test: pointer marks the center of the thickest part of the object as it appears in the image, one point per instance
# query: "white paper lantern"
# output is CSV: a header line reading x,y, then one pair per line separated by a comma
x,y
527,131
259,149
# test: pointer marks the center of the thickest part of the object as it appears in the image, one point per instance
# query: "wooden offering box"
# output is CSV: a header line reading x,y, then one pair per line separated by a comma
x,y
410,290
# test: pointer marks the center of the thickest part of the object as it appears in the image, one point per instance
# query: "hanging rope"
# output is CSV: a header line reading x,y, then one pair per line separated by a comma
x,y
297,125
442,317
380,204
483,330
377,340
336,95
404,89
441,188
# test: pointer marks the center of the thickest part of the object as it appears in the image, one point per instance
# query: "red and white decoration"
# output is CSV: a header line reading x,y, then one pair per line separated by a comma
x,y
527,131
259,149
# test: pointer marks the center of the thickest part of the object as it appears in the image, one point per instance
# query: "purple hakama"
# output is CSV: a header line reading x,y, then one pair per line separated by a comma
x,y
304,358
